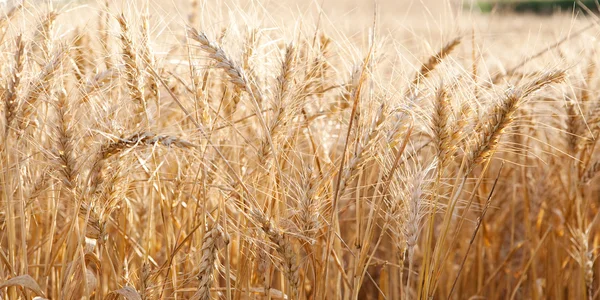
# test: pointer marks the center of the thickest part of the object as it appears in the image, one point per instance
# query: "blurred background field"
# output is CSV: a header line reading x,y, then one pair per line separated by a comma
x,y
410,26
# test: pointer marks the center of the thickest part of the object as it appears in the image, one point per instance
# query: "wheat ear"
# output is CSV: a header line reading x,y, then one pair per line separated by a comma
x,y
284,248
435,60
134,76
213,239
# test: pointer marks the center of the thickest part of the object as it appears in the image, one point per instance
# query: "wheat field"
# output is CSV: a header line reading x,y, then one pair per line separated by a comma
x,y
258,149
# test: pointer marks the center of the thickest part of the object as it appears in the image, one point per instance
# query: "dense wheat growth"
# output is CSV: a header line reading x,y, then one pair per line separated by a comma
x,y
241,150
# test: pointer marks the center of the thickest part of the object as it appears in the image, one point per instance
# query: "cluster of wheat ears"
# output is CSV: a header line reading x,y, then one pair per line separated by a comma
x,y
245,163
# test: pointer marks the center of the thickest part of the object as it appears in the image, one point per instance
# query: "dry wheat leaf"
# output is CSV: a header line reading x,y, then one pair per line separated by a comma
x,y
128,292
24,281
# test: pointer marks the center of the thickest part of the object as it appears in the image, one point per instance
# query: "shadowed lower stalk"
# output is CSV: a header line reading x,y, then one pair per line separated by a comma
x,y
477,226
